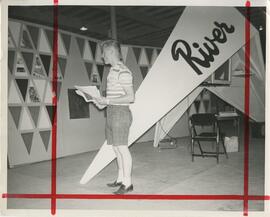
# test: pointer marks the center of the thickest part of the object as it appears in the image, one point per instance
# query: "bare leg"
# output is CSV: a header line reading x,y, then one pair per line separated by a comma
x,y
120,164
127,164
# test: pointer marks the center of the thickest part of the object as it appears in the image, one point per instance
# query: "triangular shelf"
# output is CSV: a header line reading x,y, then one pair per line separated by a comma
x,y
32,93
46,61
66,40
124,52
45,136
62,64
51,111
143,58
98,55
87,53
11,58
59,84
137,52
48,94
15,113
15,29
144,70
93,46
27,138
25,39
28,58
20,69
43,43
81,43
49,34
59,75
11,43
154,57
89,68
61,48
38,69
95,79
34,112
149,54
40,85
34,33
44,121
100,71
14,96
23,85
26,122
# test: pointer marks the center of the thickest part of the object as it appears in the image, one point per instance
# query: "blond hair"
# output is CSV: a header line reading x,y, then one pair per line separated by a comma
x,y
113,44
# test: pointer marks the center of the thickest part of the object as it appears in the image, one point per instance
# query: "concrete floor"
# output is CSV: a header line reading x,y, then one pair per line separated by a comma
x,y
155,171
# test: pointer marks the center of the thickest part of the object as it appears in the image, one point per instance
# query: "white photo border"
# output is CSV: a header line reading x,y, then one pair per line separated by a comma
x,y
3,112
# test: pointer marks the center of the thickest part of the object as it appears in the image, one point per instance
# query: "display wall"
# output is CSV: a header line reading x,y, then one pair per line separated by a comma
x,y
80,126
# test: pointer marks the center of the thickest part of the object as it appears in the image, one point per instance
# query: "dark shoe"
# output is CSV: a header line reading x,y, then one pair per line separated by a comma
x,y
123,189
114,184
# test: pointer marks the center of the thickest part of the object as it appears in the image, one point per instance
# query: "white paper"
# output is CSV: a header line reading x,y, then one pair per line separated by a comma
x,y
85,97
90,90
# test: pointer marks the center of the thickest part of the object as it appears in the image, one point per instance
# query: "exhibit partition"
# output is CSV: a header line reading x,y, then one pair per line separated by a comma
x,y
80,126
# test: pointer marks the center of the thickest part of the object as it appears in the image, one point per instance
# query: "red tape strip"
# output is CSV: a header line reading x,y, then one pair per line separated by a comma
x,y
246,103
54,102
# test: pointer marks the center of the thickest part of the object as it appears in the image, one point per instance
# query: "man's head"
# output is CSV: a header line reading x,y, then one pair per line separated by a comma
x,y
111,52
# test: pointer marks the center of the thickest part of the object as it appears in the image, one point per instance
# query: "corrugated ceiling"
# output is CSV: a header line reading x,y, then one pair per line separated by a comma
x,y
136,25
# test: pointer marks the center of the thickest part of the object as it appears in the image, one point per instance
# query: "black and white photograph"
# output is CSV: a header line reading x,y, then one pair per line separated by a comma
x,y
134,107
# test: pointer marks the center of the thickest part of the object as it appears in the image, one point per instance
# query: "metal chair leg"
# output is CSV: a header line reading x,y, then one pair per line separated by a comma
x,y
200,147
225,151
192,150
217,151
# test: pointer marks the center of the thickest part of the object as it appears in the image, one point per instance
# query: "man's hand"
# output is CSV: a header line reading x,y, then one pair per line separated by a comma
x,y
101,102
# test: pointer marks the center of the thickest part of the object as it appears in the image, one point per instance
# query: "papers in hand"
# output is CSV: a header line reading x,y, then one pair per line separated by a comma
x,y
85,96
88,92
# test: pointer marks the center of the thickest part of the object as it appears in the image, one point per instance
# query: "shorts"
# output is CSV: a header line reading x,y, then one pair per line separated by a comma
x,y
119,119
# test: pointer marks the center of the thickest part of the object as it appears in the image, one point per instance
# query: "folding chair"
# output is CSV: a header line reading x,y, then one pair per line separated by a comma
x,y
210,132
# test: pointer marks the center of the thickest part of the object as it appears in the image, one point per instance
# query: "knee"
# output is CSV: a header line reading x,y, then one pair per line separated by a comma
x,y
124,150
116,149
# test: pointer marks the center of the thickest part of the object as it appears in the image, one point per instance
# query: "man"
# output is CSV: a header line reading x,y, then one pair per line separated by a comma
x,y
119,95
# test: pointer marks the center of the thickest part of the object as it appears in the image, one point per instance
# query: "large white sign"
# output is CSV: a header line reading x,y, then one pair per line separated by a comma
x,y
202,40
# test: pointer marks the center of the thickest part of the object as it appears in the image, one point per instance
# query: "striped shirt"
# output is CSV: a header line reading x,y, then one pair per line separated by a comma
x,y
119,76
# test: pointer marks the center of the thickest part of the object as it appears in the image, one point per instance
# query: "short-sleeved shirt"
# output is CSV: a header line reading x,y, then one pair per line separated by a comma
x,y
119,76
